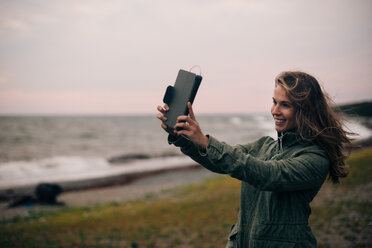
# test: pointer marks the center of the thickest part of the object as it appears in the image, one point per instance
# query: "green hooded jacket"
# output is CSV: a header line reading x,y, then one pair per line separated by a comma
x,y
279,180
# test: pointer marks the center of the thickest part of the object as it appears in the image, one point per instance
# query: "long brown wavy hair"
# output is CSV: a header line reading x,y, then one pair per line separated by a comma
x,y
316,120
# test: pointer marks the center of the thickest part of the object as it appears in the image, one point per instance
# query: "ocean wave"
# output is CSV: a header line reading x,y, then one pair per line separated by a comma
x,y
64,169
32,151
360,126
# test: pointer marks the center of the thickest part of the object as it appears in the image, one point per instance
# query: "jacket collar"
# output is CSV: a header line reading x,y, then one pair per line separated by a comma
x,y
287,139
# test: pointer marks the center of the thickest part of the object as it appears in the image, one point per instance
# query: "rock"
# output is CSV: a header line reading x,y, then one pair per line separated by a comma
x,y
45,194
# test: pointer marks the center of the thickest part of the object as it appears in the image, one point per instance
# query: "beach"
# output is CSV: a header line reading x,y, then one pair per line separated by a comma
x,y
127,213
131,187
168,208
104,168
105,156
143,187
101,159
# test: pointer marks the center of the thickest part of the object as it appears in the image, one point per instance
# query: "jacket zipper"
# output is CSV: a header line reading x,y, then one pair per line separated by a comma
x,y
280,140
279,145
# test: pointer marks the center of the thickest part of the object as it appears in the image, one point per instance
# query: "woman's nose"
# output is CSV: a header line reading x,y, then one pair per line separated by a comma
x,y
275,110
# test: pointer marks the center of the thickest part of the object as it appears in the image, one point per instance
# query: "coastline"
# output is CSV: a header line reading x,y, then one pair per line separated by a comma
x,y
340,214
118,175
136,185
114,190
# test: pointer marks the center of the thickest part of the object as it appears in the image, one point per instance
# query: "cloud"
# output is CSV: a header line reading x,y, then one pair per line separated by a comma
x,y
71,102
137,46
5,77
13,24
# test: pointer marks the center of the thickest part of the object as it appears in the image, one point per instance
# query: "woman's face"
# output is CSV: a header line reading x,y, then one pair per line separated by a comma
x,y
282,110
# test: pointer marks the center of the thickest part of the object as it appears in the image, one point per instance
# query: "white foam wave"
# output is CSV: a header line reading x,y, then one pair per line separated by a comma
x,y
61,169
355,125
236,121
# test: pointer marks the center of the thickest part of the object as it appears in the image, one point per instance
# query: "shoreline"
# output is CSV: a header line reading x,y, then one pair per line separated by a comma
x,y
8,194
122,177
143,187
118,188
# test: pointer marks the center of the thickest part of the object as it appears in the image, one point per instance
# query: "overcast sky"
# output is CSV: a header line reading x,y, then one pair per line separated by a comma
x,y
117,57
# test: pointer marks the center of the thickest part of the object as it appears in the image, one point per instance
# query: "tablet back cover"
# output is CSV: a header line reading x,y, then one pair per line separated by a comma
x,y
184,90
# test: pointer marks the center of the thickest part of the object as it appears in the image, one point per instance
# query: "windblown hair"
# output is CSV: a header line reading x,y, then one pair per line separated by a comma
x,y
315,119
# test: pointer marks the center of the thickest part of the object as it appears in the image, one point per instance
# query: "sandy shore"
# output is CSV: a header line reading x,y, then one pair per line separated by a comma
x,y
127,188
140,188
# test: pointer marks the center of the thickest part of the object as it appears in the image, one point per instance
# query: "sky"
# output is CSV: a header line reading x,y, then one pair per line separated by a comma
x,y
118,57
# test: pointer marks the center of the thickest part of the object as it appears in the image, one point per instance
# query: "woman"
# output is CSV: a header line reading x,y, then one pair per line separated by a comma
x,y
279,177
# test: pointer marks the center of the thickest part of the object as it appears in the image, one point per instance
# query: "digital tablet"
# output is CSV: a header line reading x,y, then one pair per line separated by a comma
x,y
177,96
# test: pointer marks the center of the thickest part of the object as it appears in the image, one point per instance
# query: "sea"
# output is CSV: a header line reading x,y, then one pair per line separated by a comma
x,y
36,149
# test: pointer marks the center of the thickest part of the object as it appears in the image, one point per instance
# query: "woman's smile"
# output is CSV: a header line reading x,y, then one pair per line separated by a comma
x,y
279,121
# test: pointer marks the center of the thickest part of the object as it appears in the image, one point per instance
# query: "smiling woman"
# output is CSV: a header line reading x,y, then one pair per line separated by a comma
x,y
279,177
314,119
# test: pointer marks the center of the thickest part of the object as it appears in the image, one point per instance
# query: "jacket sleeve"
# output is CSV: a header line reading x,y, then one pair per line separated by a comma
x,y
189,149
307,169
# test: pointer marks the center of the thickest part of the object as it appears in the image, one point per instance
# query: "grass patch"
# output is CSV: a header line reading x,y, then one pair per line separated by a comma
x,y
360,168
198,215
345,220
